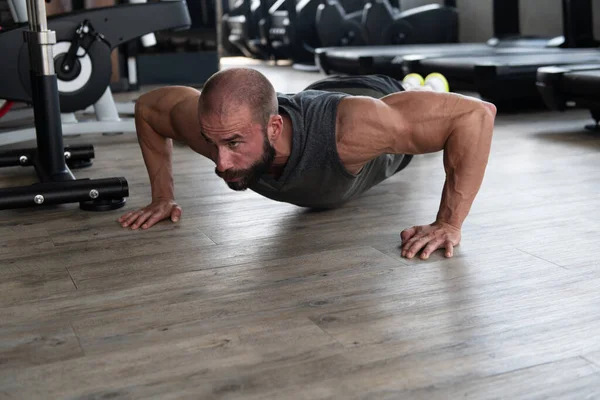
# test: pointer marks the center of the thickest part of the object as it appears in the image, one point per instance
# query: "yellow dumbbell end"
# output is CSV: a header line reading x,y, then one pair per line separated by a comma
x,y
413,80
438,82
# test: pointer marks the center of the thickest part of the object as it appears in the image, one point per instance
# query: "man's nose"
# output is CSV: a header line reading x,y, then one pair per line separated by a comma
x,y
224,161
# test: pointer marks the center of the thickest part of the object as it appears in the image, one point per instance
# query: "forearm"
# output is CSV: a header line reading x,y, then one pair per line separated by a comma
x,y
466,154
157,154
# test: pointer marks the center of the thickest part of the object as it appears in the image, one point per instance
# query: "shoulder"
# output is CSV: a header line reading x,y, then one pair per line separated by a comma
x,y
362,130
186,124
184,114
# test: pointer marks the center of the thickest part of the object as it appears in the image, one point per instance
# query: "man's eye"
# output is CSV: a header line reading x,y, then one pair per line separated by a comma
x,y
233,144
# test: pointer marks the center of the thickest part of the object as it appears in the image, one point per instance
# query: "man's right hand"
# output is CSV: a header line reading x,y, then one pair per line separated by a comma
x,y
153,213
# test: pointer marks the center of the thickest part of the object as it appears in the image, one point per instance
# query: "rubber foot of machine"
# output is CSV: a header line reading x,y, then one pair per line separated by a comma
x,y
102,205
79,164
593,128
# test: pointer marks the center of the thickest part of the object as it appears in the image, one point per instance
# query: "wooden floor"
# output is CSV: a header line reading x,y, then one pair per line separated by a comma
x,y
246,298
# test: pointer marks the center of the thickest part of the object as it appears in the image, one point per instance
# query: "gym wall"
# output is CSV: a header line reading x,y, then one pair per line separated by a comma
x,y
475,20
539,17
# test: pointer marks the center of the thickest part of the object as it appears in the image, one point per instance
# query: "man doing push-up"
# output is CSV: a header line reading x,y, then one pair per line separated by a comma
x,y
321,147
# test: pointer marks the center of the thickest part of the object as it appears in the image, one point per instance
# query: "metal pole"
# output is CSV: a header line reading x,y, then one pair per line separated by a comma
x,y
507,21
37,17
51,164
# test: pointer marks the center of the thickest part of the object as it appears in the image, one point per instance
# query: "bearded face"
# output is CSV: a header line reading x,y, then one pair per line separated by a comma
x,y
242,179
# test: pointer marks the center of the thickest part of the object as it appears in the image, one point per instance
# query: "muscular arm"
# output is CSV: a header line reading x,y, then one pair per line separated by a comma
x,y
425,122
160,116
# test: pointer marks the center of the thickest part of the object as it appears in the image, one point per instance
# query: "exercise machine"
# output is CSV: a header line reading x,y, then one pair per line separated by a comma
x,y
18,11
244,27
579,85
340,24
84,41
229,11
508,80
291,30
432,23
389,59
57,184
379,22
508,77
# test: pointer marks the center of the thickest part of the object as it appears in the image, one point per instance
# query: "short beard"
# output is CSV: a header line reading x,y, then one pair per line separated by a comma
x,y
250,176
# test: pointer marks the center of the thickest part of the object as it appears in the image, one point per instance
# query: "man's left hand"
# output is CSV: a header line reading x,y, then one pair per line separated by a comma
x,y
430,238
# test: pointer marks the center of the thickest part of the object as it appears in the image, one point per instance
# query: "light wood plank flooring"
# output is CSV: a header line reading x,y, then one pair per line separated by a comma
x,y
246,298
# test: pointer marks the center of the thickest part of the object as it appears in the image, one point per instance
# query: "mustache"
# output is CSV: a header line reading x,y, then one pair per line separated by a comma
x,y
228,175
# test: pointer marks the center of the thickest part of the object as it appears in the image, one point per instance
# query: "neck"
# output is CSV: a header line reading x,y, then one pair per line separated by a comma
x,y
283,146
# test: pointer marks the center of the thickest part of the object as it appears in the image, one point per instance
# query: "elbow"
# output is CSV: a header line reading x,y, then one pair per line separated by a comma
x,y
486,115
139,109
490,109
141,104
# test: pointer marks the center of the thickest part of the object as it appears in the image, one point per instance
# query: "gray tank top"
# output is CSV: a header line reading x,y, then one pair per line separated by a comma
x,y
314,175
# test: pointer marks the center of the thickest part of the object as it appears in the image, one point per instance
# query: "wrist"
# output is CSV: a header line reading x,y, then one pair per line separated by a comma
x,y
449,221
163,195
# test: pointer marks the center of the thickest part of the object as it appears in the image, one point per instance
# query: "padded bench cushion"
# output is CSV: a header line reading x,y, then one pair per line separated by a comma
x,y
582,83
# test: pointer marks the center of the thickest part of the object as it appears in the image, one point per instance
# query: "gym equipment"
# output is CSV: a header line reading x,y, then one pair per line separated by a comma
x,y
228,12
433,23
509,76
19,16
388,59
339,24
183,58
57,184
82,62
579,84
504,79
244,26
290,30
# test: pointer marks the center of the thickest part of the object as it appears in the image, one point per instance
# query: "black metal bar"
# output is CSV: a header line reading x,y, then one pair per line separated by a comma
x,y
51,164
13,158
51,193
506,18
25,157
578,23
82,152
58,185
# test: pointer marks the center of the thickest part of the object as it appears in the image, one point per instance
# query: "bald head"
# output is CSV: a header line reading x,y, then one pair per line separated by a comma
x,y
228,90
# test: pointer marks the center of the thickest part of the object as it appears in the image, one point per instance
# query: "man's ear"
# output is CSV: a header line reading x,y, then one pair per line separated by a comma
x,y
275,127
